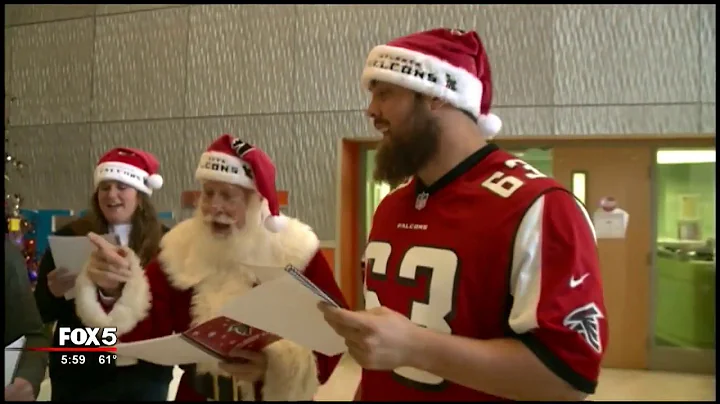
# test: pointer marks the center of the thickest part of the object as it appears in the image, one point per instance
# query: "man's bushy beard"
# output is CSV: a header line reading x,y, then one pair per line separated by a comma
x,y
407,149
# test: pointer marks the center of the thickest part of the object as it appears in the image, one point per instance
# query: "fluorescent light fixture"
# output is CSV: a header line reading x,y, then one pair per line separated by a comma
x,y
685,156
579,180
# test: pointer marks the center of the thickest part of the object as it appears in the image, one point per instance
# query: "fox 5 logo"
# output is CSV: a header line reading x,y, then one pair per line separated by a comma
x,y
88,336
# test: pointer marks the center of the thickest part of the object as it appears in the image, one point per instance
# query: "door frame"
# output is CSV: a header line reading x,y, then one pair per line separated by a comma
x,y
350,205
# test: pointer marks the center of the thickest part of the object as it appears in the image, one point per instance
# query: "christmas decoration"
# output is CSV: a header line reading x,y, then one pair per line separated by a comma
x,y
15,164
18,230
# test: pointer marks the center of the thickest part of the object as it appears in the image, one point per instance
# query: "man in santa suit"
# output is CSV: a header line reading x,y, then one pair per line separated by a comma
x,y
203,263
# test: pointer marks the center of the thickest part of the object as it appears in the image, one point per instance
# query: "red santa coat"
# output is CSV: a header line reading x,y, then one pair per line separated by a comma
x,y
178,290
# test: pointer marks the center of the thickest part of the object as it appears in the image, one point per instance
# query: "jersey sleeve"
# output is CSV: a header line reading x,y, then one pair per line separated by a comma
x,y
558,310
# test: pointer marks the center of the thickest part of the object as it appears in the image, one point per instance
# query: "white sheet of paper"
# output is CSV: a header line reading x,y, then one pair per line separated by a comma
x,y
265,273
610,224
12,357
170,350
287,308
72,252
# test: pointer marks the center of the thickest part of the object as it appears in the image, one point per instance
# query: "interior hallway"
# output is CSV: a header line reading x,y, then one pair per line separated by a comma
x,y
615,385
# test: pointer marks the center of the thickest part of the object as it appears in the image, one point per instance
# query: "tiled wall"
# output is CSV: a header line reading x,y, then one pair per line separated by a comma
x,y
170,78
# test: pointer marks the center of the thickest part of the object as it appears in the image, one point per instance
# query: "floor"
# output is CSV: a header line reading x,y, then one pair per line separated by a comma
x,y
615,385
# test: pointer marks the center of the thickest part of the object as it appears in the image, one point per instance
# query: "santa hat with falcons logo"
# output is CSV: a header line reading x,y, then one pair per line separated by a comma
x,y
132,167
233,161
449,64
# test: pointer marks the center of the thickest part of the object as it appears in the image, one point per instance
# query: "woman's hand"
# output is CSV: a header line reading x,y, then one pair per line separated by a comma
x,y
252,369
109,266
60,281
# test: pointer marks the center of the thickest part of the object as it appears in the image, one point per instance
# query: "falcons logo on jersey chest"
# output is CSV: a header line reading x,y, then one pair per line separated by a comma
x,y
585,321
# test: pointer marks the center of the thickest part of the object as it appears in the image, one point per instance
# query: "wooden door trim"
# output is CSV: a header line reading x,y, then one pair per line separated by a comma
x,y
549,143
347,259
625,270
692,140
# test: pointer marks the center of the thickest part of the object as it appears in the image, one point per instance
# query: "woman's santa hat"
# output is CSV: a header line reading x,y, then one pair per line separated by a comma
x,y
449,64
233,161
132,167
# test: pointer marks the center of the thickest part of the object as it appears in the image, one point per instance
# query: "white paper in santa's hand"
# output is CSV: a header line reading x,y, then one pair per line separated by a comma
x,y
287,307
72,253
168,351
265,273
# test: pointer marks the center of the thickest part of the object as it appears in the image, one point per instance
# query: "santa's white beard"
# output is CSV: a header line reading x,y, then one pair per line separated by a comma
x,y
247,246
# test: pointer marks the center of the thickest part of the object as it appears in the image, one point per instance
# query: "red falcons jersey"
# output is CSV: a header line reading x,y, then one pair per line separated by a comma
x,y
494,249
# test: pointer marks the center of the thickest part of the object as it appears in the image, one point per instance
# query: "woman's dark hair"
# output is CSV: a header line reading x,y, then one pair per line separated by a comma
x,y
146,229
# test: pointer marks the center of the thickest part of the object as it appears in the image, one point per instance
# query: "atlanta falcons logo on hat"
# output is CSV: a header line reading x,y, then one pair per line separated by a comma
x,y
240,147
584,321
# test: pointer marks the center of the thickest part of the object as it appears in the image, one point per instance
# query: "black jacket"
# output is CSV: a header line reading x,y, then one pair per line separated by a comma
x,y
62,312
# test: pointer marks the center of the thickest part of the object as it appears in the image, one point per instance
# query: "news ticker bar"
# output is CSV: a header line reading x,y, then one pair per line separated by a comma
x,y
57,349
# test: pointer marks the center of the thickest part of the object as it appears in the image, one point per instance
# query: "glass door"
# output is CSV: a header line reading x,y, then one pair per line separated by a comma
x,y
683,329
541,159
375,191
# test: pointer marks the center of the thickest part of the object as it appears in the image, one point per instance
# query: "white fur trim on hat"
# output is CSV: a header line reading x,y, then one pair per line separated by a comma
x,y
216,166
424,74
122,172
154,181
275,224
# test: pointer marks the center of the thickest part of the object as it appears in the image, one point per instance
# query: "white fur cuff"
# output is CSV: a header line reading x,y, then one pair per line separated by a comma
x,y
291,374
129,309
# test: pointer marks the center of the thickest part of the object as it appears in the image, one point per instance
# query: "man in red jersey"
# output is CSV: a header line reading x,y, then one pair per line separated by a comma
x,y
482,277
206,261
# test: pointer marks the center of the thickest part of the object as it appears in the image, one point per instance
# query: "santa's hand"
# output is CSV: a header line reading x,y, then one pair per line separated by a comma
x,y
377,339
250,366
109,266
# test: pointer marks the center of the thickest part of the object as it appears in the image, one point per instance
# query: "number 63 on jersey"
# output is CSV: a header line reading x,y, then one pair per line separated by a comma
x,y
440,267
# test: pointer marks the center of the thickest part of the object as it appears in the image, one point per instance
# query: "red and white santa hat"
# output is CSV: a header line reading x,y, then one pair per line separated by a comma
x,y
233,161
133,167
448,64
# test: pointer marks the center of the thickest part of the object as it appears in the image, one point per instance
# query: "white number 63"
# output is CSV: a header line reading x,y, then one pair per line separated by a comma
x,y
441,268
506,185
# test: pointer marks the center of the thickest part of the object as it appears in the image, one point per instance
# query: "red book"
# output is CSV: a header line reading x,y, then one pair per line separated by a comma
x,y
221,335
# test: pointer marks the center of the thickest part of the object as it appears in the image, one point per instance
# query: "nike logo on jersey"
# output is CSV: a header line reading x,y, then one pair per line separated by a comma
x,y
585,321
577,282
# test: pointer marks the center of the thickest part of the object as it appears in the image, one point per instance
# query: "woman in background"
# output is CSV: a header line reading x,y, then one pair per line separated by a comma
x,y
22,320
124,180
